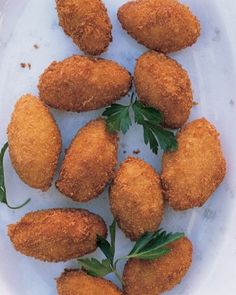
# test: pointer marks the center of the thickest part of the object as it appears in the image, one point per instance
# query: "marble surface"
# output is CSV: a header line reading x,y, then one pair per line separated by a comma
x,y
211,66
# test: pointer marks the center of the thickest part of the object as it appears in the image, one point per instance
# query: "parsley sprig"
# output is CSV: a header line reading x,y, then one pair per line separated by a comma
x,y
3,193
151,245
118,118
100,269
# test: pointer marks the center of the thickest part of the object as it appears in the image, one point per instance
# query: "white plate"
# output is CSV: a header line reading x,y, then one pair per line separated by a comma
x,y
211,65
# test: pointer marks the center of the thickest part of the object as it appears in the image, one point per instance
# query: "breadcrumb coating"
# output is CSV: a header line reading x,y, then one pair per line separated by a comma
x,y
192,173
87,23
80,83
55,235
162,25
74,282
89,162
34,142
153,277
163,84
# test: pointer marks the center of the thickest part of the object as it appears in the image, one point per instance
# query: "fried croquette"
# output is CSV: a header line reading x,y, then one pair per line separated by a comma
x,y
87,23
192,173
34,142
163,84
136,198
57,234
81,83
74,282
89,162
152,277
162,25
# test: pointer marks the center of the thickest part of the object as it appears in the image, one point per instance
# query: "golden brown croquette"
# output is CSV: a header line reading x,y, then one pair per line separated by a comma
x,y
192,173
57,234
162,25
74,282
87,23
136,198
152,277
81,83
89,162
34,142
163,84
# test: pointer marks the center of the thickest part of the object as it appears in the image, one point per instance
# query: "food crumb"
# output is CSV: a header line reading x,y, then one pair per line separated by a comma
x,y
124,152
195,103
24,65
36,46
136,152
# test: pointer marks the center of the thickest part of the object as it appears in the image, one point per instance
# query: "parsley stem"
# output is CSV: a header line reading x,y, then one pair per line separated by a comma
x,y
118,276
18,207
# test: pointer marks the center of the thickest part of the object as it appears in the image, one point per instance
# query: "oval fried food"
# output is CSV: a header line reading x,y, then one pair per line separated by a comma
x,y
57,234
73,282
34,142
162,25
152,277
89,162
163,84
136,198
81,83
192,173
87,23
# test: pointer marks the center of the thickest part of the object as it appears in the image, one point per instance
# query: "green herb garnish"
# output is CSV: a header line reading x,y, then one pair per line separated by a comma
x,y
3,194
151,245
100,269
118,118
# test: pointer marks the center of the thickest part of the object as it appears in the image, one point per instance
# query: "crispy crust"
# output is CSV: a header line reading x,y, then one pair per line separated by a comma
x,y
89,163
81,83
163,84
152,277
87,23
55,235
162,25
136,198
192,173
74,282
34,142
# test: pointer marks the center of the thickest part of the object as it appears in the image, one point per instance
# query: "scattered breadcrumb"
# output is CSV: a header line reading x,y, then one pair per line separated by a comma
x,y
195,103
136,152
36,46
25,65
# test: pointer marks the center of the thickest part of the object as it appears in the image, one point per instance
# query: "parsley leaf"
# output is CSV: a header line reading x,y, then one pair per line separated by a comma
x,y
142,113
107,248
153,245
96,268
156,134
112,229
3,193
118,119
